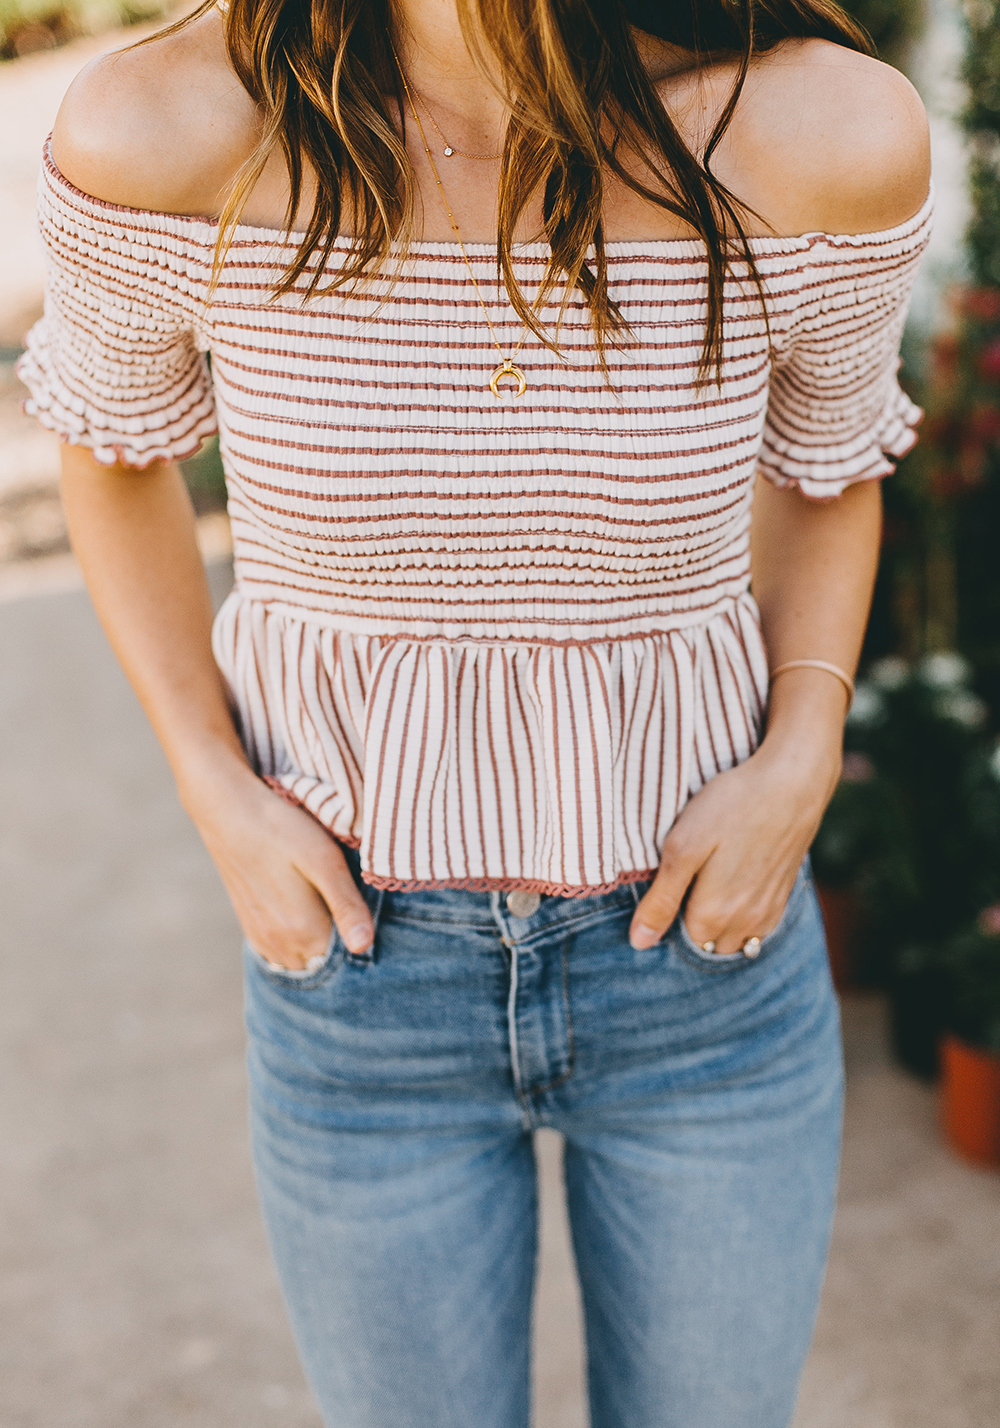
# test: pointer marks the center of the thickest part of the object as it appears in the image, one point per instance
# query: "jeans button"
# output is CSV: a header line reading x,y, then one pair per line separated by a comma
x,y
521,903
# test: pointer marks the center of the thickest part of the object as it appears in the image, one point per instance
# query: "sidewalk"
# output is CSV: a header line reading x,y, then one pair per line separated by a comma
x,y
135,1287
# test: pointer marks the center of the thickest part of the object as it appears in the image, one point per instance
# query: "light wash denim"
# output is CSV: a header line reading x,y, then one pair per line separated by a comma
x,y
393,1098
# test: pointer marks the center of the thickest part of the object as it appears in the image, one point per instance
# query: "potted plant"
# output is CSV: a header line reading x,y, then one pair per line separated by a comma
x,y
913,835
970,1049
861,827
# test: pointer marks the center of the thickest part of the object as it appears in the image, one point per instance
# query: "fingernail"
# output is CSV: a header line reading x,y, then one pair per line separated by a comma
x,y
358,938
642,936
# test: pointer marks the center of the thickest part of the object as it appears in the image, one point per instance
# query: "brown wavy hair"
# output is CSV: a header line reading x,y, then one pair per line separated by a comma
x,y
327,87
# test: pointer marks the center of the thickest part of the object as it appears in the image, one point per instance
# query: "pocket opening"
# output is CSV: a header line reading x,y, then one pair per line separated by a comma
x,y
732,961
302,976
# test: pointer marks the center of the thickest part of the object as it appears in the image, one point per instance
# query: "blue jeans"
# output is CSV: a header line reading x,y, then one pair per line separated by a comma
x,y
393,1097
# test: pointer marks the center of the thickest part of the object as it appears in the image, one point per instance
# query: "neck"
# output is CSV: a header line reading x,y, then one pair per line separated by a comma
x,y
442,69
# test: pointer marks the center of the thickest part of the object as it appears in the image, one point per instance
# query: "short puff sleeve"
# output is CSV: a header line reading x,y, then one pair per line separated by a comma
x,y
117,363
836,412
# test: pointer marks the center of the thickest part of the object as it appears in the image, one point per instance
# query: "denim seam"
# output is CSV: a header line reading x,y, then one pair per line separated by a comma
x,y
570,1037
512,1023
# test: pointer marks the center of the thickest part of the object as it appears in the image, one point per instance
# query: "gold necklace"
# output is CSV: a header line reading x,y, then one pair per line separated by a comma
x,y
450,149
507,368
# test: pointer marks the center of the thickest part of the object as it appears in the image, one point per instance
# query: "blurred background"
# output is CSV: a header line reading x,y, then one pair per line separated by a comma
x,y
135,1288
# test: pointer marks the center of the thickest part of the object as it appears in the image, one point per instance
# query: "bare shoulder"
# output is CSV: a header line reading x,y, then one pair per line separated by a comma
x,y
837,142
163,126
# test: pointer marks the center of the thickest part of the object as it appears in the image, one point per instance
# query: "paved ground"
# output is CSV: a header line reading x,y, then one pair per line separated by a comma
x,y
135,1289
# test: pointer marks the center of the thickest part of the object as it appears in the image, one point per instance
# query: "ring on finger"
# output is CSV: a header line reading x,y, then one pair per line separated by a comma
x,y
750,948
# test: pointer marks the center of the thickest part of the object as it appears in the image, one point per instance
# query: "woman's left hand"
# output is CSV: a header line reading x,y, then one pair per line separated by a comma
x,y
740,841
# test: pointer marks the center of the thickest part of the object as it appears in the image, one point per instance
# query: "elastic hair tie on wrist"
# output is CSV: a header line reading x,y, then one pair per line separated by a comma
x,y
823,664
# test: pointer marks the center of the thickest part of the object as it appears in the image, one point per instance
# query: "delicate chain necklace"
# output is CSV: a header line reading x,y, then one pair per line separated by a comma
x,y
507,368
449,149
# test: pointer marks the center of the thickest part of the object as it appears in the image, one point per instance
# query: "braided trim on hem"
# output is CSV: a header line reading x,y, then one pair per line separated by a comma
x,y
387,884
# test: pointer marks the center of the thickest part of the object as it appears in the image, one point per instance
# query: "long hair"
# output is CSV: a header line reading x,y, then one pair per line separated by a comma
x,y
326,84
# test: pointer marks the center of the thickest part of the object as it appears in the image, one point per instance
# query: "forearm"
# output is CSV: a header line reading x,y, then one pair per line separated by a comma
x,y
134,535
742,838
814,567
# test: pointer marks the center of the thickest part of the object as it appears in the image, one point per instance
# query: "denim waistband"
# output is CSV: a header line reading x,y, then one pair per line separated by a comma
x,y
462,907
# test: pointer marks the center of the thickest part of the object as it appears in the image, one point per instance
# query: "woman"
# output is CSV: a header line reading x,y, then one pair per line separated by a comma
x,y
508,307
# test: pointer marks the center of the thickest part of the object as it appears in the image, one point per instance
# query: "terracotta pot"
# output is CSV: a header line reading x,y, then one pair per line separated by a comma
x,y
970,1100
840,916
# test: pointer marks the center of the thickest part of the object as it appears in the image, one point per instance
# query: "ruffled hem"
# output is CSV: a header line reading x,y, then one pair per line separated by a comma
x,y
187,425
119,455
494,767
485,884
786,463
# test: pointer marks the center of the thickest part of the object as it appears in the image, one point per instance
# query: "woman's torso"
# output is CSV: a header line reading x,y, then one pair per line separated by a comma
x,y
494,644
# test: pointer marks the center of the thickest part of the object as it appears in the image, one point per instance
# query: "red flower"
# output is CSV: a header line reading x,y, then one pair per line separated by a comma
x,y
944,431
989,362
945,352
972,462
982,303
947,481
984,424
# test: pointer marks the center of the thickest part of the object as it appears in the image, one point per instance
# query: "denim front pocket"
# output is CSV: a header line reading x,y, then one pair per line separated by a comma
x,y
733,961
306,977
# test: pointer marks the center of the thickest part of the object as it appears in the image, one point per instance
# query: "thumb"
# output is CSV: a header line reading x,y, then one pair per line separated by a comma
x,y
657,910
329,874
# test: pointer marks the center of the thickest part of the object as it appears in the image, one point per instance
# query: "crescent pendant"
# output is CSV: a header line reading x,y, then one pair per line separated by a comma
x,y
507,369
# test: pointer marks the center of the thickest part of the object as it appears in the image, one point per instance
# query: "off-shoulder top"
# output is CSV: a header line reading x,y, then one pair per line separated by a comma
x,y
492,644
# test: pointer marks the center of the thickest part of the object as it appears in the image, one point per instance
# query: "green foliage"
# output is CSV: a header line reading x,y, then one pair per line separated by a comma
x,y
970,976
29,25
981,119
914,830
917,816
205,478
939,587
892,24
917,834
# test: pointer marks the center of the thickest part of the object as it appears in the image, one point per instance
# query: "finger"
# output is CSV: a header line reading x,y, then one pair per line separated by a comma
x,y
724,921
327,870
657,910
286,922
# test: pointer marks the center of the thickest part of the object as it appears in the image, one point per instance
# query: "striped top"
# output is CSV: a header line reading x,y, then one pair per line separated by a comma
x,y
492,644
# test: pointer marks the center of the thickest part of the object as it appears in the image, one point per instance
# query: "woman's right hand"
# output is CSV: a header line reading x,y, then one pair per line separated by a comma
x,y
286,876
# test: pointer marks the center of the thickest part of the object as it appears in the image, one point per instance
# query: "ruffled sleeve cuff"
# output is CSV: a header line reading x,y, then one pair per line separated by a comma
x,y
172,427
117,363
822,472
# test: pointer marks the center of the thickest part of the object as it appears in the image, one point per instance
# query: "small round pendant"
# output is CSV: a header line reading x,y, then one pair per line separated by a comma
x,y
504,371
448,152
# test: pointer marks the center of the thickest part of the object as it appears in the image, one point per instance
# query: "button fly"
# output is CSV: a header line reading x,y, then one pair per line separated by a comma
x,y
521,903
